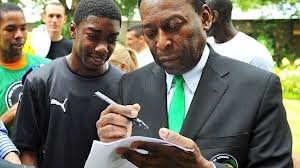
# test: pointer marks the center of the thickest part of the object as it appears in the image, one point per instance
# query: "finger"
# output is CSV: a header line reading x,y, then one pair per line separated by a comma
x,y
138,159
176,138
112,131
185,142
113,126
166,151
136,106
127,111
113,119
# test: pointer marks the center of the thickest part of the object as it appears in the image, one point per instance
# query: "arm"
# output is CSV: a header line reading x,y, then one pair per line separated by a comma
x,y
26,126
29,158
12,157
9,116
8,151
114,125
271,142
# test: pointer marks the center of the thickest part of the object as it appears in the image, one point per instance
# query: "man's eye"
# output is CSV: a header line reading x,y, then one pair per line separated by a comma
x,y
173,27
112,40
24,28
10,29
149,34
92,36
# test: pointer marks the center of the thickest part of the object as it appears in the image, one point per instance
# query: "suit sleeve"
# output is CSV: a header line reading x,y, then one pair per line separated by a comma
x,y
271,140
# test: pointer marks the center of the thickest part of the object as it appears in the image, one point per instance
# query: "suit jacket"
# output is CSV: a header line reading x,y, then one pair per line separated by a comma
x,y
236,114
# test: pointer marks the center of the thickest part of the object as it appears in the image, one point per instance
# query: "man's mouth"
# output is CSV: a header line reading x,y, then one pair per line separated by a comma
x,y
99,60
17,45
168,58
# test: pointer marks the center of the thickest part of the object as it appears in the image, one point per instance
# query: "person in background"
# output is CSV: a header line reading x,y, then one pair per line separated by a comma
x,y
229,113
8,151
57,114
13,62
55,17
124,58
228,41
135,39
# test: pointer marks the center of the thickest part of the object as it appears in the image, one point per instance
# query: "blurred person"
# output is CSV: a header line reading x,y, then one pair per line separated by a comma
x,y
55,17
8,151
135,39
13,62
56,117
228,41
229,113
124,58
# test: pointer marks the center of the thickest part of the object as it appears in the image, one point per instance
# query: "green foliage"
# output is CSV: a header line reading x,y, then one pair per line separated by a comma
x,y
246,4
269,32
127,7
66,31
267,41
289,74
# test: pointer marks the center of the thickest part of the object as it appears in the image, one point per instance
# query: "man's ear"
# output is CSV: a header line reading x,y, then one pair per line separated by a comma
x,y
215,15
206,17
65,18
123,67
43,17
73,30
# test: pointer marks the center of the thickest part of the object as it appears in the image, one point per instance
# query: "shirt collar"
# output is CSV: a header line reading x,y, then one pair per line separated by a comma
x,y
193,76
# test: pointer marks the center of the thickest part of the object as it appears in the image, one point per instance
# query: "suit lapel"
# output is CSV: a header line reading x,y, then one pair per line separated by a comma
x,y
158,94
209,91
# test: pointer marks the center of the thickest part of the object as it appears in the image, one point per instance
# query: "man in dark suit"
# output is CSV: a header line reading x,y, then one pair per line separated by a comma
x,y
233,114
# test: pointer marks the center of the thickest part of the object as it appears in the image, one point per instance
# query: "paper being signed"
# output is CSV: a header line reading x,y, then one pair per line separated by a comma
x,y
103,154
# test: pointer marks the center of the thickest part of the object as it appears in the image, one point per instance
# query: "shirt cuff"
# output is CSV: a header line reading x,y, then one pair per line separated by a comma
x,y
6,146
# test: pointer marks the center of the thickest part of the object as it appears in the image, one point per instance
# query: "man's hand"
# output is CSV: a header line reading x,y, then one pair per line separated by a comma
x,y
166,156
114,123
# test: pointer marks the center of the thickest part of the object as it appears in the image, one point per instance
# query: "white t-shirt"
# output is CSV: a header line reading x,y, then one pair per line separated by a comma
x,y
246,49
144,57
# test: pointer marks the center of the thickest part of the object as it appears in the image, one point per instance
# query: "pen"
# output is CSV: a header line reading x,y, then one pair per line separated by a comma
x,y
137,121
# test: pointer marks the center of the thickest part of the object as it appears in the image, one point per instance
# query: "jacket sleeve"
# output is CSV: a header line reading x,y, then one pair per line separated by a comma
x,y
271,140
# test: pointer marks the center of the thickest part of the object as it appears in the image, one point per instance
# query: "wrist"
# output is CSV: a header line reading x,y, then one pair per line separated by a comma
x,y
212,165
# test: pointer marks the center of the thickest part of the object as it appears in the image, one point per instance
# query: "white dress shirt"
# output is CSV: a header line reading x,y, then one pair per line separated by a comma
x,y
191,80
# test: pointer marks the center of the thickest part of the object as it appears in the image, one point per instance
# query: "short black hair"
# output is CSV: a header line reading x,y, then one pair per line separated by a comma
x,y
8,7
138,29
99,8
224,7
196,4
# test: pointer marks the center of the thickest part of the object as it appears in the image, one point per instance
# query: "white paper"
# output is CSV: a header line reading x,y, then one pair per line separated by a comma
x,y
103,155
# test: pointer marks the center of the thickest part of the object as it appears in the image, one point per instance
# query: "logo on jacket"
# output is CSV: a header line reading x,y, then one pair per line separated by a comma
x,y
62,105
225,159
13,93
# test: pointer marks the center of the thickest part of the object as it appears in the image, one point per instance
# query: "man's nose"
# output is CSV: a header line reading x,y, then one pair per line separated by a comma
x,y
102,48
163,40
19,34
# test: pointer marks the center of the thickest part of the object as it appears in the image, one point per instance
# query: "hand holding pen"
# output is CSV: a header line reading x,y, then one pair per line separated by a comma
x,y
137,121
